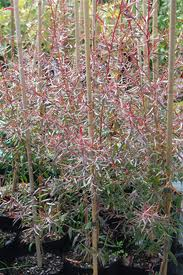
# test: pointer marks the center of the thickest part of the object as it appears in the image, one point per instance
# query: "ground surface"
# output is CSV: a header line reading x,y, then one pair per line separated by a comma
x,y
27,265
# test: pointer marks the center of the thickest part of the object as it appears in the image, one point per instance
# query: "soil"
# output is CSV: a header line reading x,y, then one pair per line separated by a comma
x,y
52,264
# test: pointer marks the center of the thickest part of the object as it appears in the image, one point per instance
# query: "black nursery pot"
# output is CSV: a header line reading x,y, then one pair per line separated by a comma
x,y
14,248
8,224
58,247
116,268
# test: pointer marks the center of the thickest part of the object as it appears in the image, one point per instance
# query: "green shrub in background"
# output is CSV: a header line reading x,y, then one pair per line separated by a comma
x,y
4,3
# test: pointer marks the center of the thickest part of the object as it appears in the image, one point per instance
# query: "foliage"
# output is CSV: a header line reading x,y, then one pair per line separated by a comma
x,y
128,154
4,3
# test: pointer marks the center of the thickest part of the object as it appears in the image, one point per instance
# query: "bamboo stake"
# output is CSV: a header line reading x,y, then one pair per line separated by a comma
x,y
168,195
94,11
16,171
145,51
27,131
91,136
94,192
94,33
37,51
16,156
63,11
38,54
155,64
12,33
39,39
139,55
155,44
171,83
81,19
77,36
88,71
81,25
42,108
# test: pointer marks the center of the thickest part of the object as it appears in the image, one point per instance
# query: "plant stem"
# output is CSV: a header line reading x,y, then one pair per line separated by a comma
x,y
27,131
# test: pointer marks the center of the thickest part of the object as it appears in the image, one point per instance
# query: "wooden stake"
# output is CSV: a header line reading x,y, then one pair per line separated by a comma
x,y
77,36
94,11
171,84
145,52
12,33
42,110
37,50
154,42
16,170
168,195
88,71
39,39
139,48
81,19
91,136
